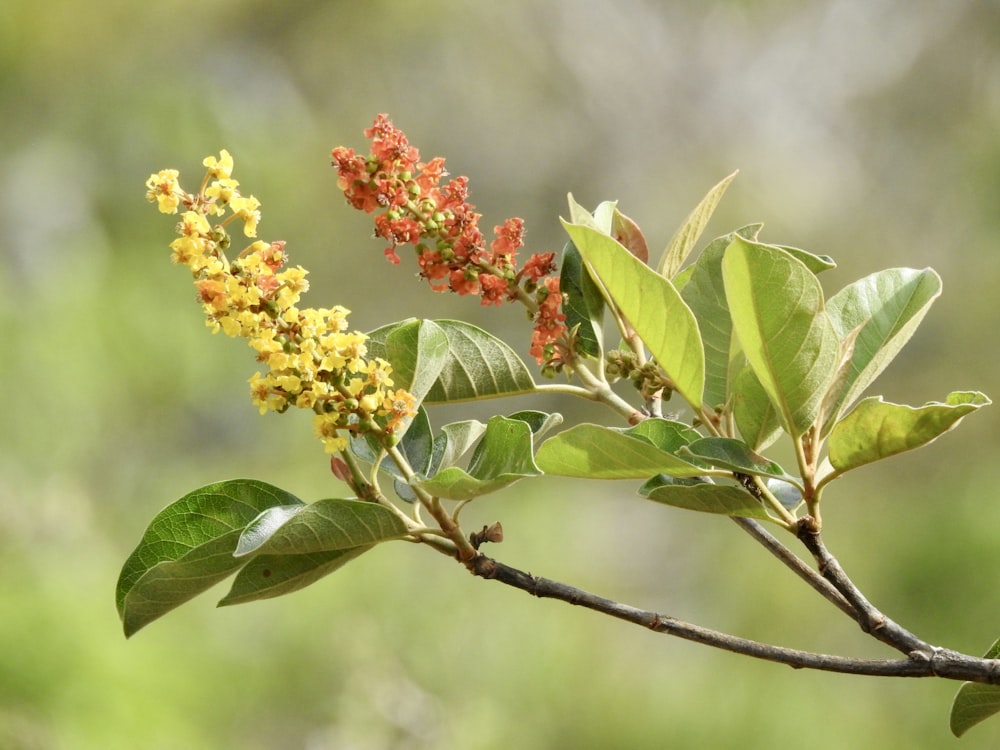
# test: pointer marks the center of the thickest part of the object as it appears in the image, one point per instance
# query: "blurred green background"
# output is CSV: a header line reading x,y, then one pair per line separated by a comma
x,y
866,130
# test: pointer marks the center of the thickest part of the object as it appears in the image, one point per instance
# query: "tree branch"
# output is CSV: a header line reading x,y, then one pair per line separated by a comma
x,y
867,615
795,564
929,661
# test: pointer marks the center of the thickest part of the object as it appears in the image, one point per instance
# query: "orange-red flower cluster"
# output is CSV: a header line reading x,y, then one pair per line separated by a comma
x,y
437,219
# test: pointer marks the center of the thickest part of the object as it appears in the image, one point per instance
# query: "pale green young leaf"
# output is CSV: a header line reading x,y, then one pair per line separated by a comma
x,y
886,308
593,451
503,456
756,418
188,548
778,315
686,237
653,307
975,702
704,292
876,429
815,263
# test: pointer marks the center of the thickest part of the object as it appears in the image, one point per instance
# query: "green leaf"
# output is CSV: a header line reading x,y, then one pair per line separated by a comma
x,y
268,576
710,498
666,434
323,526
540,422
583,303
732,454
418,351
785,493
188,548
876,429
815,263
294,550
705,294
477,365
886,308
453,442
417,446
687,235
502,457
975,702
593,451
778,314
653,307
756,418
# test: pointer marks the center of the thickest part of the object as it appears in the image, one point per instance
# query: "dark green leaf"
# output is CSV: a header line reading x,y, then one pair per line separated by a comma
x,y
268,576
323,526
583,303
729,453
189,547
477,365
310,544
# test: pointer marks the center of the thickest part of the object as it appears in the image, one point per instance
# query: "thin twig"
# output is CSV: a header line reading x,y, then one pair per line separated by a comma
x,y
868,616
929,662
795,564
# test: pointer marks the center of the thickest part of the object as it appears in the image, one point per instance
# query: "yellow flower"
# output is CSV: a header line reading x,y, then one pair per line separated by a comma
x,y
222,191
311,358
193,224
325,426
162,188
221,168
246,210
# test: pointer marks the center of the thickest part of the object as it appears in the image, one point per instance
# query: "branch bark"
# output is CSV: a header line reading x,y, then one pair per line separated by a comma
x,y
928,661
867,615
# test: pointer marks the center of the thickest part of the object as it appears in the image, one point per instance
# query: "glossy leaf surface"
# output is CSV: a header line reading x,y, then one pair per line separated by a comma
x,y
189,547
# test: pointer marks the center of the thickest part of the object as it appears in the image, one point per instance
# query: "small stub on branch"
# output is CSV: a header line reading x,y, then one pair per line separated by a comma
x,y
492,533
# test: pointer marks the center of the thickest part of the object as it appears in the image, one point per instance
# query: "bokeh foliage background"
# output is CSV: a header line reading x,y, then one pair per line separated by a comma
x,y
866,130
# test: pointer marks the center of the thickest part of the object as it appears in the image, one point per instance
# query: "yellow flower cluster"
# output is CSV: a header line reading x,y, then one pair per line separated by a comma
x,y
312,361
